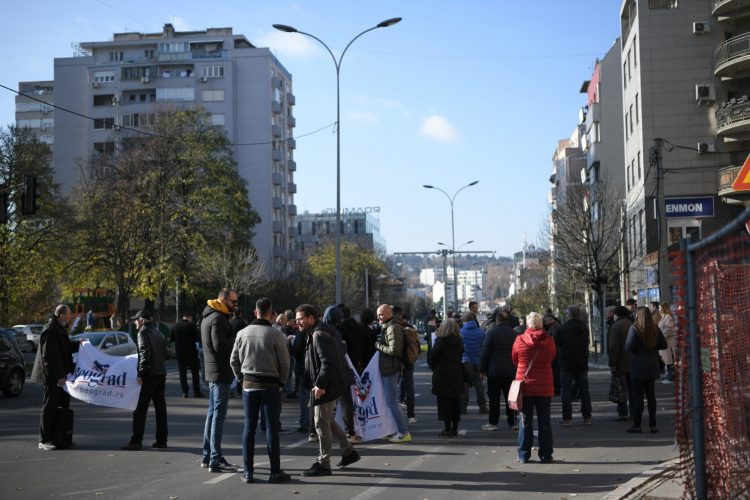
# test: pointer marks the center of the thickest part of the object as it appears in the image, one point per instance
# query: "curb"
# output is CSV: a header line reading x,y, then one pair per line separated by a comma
x,y
661,482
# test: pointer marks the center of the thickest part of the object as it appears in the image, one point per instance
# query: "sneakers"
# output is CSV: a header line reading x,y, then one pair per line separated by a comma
x,y
248,479
412,420
157,444
222,466
400,438
354,439
546,460
48,446
348,459
279,477
312,438
489,427
666,381
131,447
587,421
317,470
204,465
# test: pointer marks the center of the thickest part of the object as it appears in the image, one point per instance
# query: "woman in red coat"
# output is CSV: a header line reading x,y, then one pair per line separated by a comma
x,y
537,349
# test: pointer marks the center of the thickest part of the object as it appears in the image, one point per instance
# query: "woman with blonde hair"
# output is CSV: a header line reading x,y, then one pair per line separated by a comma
x,y
447,375
667,327
643,343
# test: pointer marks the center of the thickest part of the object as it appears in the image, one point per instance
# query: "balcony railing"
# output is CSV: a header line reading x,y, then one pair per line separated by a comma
x,y
729,8
727,175
732,112
735,48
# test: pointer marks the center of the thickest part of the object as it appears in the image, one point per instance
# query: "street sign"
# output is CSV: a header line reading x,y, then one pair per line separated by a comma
x,y
697,206
742,182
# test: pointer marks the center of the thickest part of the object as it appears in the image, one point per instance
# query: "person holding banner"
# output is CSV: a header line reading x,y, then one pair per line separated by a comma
x,y
390,345
152,377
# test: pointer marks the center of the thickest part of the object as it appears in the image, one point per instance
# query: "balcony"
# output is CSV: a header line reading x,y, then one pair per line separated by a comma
x,y
732,56
277,203
278,251
727,175
291,188
291,121
276,131
729,8
291,166
292,231
277,155
276,83
278,227
291,143
291,209
277,179
276,107
290,99
733,118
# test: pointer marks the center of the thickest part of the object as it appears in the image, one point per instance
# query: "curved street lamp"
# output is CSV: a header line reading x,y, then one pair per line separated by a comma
x,y
451,199
337,62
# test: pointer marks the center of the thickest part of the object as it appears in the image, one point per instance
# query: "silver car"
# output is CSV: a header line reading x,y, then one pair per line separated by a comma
x,y
112,343
32,334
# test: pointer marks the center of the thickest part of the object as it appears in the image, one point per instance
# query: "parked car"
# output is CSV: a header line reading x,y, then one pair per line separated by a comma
x,y
19,336
32,332
12,372
112,343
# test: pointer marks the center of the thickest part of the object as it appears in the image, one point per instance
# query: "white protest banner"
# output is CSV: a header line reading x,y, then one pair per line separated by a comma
x,y
372,419
104,380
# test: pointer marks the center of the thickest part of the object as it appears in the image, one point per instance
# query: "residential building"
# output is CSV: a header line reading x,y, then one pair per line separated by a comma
x,y
34,109
526,271
122,83
360,228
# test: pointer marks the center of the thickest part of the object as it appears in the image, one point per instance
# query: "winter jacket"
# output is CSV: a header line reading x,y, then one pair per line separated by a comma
x,y
619,358
261,354
473,337
237,324
390,345
496,359
217,337
531,343
184,335
359,344
322,362
667,327
445,361
152,352
644,361
55,354
572,341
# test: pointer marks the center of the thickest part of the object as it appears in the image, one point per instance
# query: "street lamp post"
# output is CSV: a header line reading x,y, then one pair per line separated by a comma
x,y
337,63
453,235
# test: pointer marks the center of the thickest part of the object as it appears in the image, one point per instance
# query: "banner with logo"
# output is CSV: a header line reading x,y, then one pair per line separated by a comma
x,y
104,380
372,419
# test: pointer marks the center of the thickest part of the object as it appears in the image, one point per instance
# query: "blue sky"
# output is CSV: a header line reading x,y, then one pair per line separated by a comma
x,y
456,92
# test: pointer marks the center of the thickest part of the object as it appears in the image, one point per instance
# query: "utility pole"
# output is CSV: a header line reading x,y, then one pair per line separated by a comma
x,y
661,219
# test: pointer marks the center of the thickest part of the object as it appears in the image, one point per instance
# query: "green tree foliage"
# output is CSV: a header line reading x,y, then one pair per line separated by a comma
x,y
29,244
168,205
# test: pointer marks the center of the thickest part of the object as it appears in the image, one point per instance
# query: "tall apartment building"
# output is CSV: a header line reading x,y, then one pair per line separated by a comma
x,y
247,91
360,228
526,273
472,285
672,88
36,111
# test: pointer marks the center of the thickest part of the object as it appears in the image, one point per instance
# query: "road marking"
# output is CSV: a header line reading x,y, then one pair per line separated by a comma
x,y
93,491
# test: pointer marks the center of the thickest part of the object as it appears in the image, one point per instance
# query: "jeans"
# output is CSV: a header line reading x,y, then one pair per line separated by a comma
x,y
152,389
526,429
476,381
390,392
496,385
582,384
52,397
304,407
267,401
407,390
218,401
326,426
183,364
639,388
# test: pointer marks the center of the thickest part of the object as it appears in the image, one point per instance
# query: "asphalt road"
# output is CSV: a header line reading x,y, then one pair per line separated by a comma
x,y
590,461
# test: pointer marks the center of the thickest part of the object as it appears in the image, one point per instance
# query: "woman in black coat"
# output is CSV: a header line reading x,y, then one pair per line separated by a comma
x,y
447,375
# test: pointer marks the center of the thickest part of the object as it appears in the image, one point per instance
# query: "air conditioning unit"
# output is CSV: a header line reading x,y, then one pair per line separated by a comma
x,y
204,79
145,79
45,111
701,28
95,85
706,147
705,92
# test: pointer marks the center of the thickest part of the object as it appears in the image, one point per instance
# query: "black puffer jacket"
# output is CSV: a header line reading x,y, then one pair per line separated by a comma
x,y
497,352
217,337
55,355
323,362
445,361
152,352
573,347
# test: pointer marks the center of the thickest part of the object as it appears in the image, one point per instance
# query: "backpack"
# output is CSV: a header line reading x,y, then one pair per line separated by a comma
x,y
412,349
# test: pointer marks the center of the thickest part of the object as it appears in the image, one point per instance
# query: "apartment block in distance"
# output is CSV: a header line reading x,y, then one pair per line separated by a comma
x,y
34,109
124,82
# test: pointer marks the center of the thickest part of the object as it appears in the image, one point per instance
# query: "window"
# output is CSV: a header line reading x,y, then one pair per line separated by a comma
x,y
173,47
138,119
631,118
104,147
175,94
632,173
104,123
625,75
628,60
597,131
217,119
212,95
104,99
104,76
627,178
148,53
137,72
637,113
116,56
627,135
639,165
635,51
663,4
213,71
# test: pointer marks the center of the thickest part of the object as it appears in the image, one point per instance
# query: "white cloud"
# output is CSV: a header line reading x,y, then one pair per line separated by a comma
x,y
438,127
287,44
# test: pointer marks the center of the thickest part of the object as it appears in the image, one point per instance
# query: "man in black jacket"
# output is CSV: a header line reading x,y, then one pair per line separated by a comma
x,y
324,375
573,351
217,337
496,363
152,377
54,364
185,335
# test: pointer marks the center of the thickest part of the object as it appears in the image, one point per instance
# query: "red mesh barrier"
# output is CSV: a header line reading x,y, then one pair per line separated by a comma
x,y
722,288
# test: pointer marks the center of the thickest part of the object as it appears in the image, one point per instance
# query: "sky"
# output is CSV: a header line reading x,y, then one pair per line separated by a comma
x,y
457,92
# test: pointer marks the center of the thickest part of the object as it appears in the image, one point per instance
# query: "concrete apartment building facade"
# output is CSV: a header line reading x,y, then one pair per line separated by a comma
x,y
360,228
37,112
122,83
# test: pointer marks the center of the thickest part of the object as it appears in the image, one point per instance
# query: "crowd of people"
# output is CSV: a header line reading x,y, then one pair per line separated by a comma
x,y
302,354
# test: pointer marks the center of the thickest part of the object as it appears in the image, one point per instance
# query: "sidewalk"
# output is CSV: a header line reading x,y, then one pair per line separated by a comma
x,y
663,482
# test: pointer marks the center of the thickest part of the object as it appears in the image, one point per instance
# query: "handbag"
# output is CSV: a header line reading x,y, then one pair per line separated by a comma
x,y
617,393
515,394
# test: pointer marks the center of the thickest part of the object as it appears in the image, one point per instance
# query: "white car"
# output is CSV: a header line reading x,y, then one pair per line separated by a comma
x,y
112,343
33,332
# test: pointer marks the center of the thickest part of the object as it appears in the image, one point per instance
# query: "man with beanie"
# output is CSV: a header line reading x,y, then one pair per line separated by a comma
x,y
152,377
217,337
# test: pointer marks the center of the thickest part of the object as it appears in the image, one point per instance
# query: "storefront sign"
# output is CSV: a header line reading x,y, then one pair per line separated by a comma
x,y
702,206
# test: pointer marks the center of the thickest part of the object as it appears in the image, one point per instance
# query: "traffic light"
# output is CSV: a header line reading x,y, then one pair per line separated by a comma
x,y
28,198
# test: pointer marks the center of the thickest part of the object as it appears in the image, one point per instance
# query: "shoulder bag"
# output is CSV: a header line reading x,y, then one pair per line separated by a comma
x,y
515,394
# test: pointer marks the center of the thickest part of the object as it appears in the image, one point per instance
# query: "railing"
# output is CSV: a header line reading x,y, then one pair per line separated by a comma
x,y
736,47
727,175
733,111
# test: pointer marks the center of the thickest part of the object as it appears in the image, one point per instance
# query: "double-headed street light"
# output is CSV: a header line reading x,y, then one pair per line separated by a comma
x,y
453,235
337,63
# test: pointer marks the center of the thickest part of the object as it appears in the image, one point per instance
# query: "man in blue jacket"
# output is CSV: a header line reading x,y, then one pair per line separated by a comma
x,y
473,338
